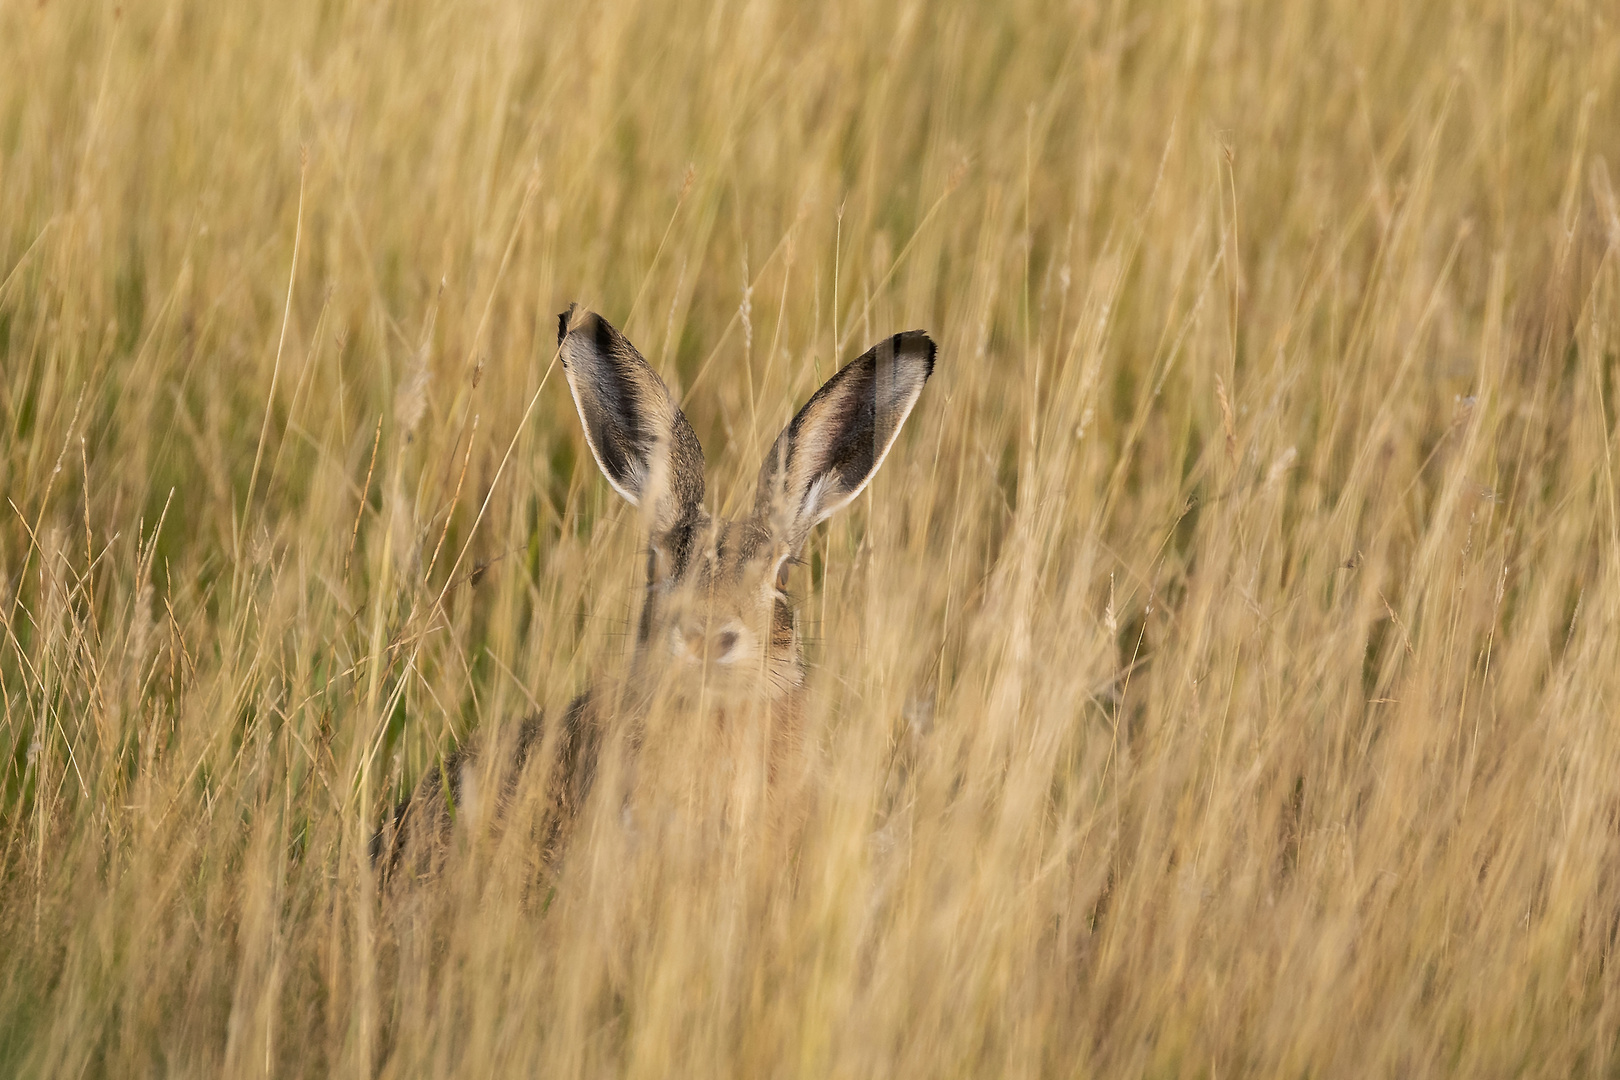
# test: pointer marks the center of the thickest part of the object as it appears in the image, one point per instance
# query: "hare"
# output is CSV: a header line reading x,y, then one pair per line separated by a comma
x,y
717,641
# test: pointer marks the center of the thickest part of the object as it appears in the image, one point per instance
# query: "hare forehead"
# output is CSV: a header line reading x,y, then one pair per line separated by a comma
x,y
715,555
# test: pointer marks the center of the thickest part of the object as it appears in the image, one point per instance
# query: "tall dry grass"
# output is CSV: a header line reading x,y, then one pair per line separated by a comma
x,y
1220,677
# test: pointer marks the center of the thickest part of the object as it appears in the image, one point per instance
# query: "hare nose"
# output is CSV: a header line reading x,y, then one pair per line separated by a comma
x,y
701,646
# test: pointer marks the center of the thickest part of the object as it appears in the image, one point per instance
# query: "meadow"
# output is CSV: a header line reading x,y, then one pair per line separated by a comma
x,y
1215,681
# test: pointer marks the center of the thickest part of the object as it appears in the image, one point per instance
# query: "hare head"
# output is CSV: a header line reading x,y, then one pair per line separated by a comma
x,y
716,624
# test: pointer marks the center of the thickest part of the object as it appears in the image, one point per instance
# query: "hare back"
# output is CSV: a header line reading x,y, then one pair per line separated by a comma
x,y
477,786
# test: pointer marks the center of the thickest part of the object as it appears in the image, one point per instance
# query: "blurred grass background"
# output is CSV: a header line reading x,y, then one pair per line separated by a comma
x,y
1216,680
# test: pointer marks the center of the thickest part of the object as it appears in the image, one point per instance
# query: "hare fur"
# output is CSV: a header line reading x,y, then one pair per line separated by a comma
x,y
716,641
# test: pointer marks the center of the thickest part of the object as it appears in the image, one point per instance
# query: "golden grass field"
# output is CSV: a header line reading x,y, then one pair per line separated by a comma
x,y
1219,679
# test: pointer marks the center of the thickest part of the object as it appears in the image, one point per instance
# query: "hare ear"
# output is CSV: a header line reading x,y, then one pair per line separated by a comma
x,y
823,459
640,439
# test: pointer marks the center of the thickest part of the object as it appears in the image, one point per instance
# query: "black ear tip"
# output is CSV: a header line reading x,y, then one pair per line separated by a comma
x,y
917,343
589,325
562,322
601,331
